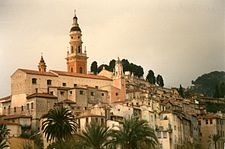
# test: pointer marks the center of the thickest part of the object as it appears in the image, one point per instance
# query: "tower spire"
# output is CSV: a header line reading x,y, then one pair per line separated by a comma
x,y
42,66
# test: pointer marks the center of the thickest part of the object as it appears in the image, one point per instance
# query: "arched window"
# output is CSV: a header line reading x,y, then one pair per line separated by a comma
x,y
72,51
79,49
81,70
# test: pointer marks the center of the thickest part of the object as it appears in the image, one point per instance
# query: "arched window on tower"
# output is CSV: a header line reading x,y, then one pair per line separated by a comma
x,y
72,51
79,49
81,70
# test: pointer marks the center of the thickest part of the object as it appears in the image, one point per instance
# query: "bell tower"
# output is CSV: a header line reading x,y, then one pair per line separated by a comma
x,y
76,57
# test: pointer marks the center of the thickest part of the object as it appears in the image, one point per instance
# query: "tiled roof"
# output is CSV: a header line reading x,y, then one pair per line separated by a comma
x,y
5,98
91,76
67,101
15,116
35,72
44,95
9,123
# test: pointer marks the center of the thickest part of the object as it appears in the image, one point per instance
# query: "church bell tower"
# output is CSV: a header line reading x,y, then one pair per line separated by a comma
x,y
76,57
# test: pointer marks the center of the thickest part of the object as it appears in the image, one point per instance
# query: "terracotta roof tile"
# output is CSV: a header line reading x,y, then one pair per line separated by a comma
x,y
45,95
67,101
91,76
15,116
5,98
9,123
35,72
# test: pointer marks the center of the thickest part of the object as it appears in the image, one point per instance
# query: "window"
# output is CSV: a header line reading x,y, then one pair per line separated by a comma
x,y
81,92
72,51
51,92
79,49
159,134
14,109
75,85
62,93
103,94
71,69
21,108
71,92
199,122
49,82
211,121
92,93
32,105
34,81
64,84
117,94
164,134
81,70
96,86
28,106
206,122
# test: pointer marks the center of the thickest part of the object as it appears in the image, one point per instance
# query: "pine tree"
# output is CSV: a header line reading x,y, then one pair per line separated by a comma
x,y
150,77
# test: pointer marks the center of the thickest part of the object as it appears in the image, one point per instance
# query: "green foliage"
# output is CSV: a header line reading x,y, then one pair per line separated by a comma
x,y
112,64
206,83
220,90
4,132
95,136
215,107
94,67
159,80
150,77
181,91
3,144
213,139
135,134
59,124
137,70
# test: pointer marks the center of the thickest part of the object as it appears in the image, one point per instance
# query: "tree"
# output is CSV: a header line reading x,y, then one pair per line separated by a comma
x,y
159,80
150,77
59,124
214,138
134,134
181,91
94,67
112,64
4,132
95,136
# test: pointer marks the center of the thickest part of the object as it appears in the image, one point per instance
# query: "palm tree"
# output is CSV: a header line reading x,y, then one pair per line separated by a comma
x,y
59,124
4,132
134,134
214,138
95,136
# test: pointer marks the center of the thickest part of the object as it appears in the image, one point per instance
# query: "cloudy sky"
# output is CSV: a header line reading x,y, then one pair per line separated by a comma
x,y
179,39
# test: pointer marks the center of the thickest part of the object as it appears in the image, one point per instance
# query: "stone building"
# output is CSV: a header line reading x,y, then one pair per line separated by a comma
x,y
34,92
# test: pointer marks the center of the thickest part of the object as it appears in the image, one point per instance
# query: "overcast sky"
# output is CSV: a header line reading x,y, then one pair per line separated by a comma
x,y
179,39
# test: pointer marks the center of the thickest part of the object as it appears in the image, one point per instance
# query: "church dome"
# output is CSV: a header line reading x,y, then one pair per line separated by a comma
x,y
75,28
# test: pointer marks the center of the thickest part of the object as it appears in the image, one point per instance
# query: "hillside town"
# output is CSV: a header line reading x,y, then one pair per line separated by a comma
x,y
107,98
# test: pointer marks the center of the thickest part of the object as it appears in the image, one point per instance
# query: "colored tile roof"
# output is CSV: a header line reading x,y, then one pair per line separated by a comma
x,y
15,116
67,101
91,76
9,123
44,95
35,72
5,98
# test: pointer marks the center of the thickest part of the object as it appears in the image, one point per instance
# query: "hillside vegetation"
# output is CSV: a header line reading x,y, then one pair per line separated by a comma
x,y
211,84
